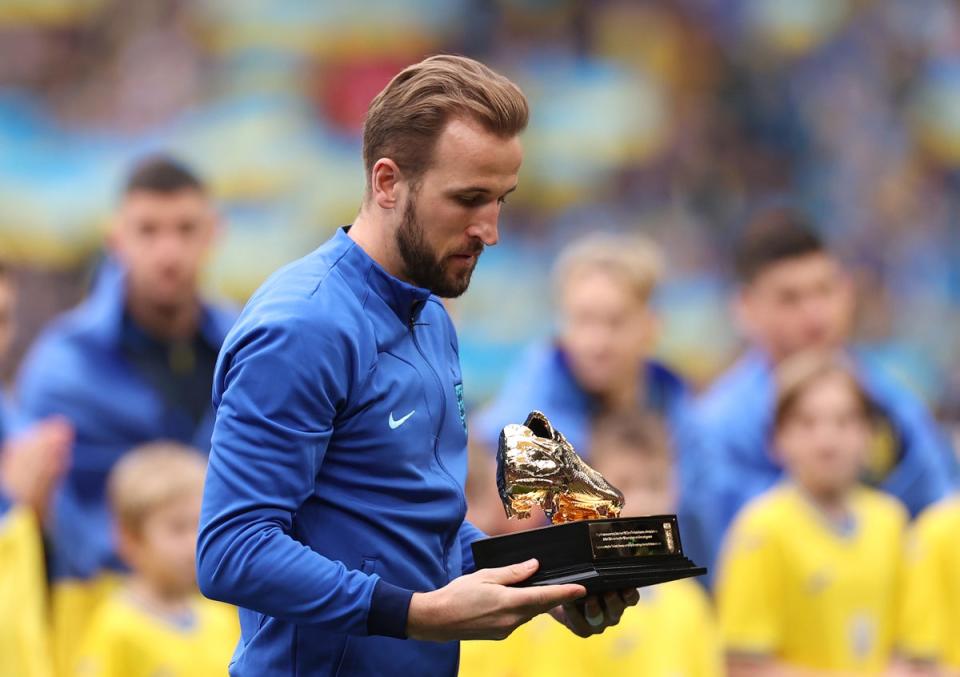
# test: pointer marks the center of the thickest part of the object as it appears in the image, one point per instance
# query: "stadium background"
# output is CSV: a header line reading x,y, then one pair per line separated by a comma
x,y
674,119
671,118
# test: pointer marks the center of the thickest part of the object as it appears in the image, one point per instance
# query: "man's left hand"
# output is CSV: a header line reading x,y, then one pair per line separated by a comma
x,y
594,614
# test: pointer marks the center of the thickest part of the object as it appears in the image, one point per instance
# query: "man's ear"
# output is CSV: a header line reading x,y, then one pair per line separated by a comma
x,y
385,179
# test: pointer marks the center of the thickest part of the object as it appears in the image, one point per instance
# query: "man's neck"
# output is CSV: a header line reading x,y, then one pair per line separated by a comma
x,y
370,235
166,323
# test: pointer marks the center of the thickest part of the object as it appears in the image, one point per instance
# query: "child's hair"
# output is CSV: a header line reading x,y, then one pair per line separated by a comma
x,y
804,369
150,476
634,258
643,436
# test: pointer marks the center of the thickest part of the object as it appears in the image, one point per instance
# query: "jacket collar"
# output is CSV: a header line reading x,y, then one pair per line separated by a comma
x,y
405,300
106,304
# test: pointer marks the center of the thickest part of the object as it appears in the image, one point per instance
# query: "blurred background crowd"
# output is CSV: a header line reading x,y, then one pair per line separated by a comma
x,y
676,120
668,117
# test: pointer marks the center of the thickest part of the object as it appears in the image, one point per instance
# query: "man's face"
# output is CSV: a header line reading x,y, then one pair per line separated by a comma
x,y
797,304
823,441
606,331
451,212
162,240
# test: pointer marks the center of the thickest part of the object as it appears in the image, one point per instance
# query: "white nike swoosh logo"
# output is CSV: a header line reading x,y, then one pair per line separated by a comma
x,y
394,423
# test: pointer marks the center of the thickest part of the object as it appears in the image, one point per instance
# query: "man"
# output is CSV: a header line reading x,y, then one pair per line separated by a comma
x,y
333,510
131,364
794,295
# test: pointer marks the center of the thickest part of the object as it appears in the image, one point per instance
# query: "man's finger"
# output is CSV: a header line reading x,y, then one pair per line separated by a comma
x,y
631,596
593,612
613,606
540,598
509,575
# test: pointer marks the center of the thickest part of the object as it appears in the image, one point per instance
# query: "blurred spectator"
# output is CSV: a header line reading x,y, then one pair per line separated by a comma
x,y
671,632
600,362
809,572
31,464
158,623
29,468
930,617
795,295
133,363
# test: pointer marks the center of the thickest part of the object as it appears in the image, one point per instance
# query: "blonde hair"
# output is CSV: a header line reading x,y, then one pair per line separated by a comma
x,y
406,118
635,259
150,476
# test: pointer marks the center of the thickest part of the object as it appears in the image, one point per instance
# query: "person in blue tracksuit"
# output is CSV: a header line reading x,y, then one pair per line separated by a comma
x,y
133,362
794,295
333,511
599,363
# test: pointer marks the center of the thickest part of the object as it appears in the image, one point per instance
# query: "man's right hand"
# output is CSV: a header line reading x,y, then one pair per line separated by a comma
x,y
482,606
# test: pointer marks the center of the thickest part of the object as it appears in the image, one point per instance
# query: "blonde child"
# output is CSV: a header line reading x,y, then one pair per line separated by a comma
x,y
157,622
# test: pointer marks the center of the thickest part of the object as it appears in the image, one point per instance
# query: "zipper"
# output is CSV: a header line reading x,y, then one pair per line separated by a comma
x,y
443,416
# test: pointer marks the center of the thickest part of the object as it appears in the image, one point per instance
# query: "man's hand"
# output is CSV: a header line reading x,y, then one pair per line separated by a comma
x,y
596,613
32,463
482,606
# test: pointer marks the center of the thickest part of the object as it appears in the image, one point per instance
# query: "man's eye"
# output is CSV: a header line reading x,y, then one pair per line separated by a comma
x,y
468,200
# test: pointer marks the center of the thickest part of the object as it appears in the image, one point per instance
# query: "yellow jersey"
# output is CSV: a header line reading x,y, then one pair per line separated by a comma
x,y
24,631
125,640
671,632
809,593
930,608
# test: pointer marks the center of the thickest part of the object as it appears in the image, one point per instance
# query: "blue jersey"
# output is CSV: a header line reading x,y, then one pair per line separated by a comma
x,y
335,483
84,367
735,417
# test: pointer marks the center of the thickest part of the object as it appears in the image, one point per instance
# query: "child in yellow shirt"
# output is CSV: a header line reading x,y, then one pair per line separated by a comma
x,y
929,632
807,582
30,466
671,632
157,622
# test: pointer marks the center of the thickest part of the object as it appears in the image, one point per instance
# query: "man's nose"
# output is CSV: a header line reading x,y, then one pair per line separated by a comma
x,y
485,224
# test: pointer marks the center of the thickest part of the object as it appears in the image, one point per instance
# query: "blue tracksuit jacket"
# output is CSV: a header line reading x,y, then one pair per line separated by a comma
x,y
335,485
77,369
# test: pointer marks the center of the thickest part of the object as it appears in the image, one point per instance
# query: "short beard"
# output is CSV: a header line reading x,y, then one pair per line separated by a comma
x,y
421,264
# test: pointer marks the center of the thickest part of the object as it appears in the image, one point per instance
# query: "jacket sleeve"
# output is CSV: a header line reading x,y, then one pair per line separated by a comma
x,y
468,534
278,388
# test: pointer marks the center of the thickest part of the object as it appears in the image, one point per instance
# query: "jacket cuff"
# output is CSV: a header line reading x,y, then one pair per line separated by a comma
x,y
389,608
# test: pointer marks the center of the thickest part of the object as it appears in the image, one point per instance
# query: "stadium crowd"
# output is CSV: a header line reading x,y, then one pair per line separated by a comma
x,y
745,215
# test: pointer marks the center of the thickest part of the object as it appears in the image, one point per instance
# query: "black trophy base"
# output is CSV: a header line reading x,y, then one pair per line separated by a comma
x,y
601,555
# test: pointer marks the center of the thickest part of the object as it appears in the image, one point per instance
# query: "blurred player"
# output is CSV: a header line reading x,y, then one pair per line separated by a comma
x,y
599,362
670,633
795,295
31,464
809,572
929,633
132,363
157,623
